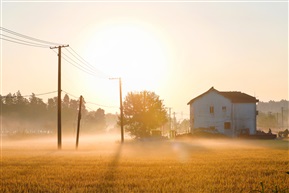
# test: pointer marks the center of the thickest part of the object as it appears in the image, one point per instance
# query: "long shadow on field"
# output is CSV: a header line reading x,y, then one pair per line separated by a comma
x,y
109,177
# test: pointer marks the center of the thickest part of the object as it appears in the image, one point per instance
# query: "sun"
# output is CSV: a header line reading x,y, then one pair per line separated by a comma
x,y
134,51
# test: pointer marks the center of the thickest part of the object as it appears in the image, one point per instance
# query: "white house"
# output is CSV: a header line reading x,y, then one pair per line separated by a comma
x,y
229,113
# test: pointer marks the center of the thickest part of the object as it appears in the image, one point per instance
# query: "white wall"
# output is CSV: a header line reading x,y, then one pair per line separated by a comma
x,y
240,115
201,116
245,117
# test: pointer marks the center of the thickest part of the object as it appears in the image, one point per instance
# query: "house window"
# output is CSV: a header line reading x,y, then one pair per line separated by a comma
x,y
224,108
227,125
211,109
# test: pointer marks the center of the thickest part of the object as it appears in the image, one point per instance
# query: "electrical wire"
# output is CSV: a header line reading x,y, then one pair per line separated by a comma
x,y
46,93
33,45
85,63
70,94
76,63
80,59
82,65
28,37
102,105
26,42
87,102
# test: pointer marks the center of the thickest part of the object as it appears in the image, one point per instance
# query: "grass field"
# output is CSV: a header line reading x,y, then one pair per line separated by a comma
x,y
169,166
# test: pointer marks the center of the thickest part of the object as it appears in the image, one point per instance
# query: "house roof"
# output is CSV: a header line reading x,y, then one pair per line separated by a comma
x,y
233,96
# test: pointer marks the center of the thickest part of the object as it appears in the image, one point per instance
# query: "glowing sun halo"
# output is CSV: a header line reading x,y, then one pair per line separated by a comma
x,y
131,51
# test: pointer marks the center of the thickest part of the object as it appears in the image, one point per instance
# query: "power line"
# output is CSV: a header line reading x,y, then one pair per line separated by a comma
x,y
87,64
28,37
86,67
70,94
79,65
87,102
21,41
75,65
33,45
46,93
80,59
89,108
102,105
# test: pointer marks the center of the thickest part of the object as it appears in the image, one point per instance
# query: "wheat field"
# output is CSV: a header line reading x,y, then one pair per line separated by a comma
x,y
195,165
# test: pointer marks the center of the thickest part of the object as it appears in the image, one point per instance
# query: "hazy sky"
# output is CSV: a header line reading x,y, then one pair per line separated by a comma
x,y
176,49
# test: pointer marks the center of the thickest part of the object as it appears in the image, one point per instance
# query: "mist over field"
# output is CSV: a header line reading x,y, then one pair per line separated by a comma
x,y
108,143
102,164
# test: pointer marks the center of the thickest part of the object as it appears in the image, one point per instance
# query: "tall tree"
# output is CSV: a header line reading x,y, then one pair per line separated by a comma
x,y
143,112
65,103
95,120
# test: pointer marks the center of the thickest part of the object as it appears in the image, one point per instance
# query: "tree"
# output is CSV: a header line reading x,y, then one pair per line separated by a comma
x,y
143,112
96,120
65,103
267,120
184,126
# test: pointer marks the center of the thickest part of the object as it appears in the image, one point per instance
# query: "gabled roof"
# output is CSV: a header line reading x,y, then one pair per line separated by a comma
x,y
234,96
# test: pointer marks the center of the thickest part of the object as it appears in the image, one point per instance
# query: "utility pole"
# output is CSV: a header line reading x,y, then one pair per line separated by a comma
x,y
277,120
59,96
170,119
282,117
174,126
121,107
78,121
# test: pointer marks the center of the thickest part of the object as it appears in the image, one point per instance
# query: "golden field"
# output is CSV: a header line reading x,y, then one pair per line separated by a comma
x,y
104,165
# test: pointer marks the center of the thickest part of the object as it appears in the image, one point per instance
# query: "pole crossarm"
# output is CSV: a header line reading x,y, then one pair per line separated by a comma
x,y
62,46
114,78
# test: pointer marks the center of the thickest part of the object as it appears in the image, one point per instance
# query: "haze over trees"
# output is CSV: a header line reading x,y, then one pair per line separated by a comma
x,y
31,115
143,112
273,114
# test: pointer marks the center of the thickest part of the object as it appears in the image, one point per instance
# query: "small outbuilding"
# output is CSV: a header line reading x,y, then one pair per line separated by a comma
x,y
229,113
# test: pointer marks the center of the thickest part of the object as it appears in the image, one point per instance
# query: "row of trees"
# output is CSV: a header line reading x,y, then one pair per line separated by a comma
x,y
21,114
144,113
272,120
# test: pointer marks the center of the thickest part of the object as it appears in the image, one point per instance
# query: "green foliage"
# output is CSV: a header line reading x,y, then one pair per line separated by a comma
x,y
143,112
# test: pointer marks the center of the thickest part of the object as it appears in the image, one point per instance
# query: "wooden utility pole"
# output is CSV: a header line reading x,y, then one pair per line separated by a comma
x,y
175,122
78,121
59,96
282,117
170,119
121,111
121,107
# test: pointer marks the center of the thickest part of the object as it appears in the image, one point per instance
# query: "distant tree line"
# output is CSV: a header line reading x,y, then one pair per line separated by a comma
x,y
272,106
272,120
32,115
273,114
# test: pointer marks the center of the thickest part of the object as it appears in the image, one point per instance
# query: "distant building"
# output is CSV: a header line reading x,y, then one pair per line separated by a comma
x,y
229,113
